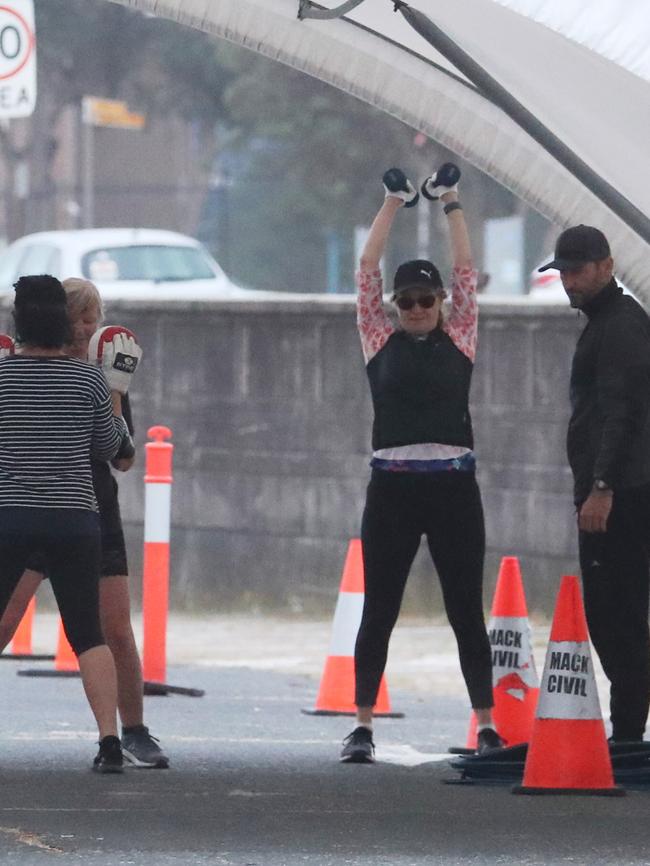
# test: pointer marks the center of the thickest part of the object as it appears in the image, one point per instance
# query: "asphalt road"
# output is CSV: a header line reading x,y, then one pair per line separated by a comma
x,y
254,782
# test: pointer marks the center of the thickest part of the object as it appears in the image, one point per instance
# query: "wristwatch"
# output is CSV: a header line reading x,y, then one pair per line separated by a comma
x,y
602,486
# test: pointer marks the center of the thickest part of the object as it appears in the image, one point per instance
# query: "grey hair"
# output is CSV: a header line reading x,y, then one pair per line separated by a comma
x,y
82,295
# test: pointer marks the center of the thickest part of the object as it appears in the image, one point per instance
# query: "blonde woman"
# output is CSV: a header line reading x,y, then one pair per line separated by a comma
x,y
423,480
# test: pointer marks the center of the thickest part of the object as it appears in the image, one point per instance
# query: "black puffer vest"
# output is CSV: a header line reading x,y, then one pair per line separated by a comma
x,y
420,392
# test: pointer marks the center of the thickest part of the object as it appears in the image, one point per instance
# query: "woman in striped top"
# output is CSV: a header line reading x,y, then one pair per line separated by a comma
x,y
55,411
86,314
423,480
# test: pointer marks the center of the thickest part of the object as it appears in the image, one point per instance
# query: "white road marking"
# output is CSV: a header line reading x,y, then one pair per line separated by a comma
x,y
407,756
237,792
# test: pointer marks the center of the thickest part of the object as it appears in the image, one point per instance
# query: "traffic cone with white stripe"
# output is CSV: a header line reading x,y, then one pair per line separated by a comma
x,y
568,752
514,677
336,693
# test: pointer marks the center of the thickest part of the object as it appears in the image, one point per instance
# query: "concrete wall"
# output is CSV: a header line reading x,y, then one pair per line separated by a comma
x,y
271,417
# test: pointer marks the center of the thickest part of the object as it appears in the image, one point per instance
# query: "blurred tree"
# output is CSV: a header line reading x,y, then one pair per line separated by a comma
x,y
316,168
88,47
295,163
305,162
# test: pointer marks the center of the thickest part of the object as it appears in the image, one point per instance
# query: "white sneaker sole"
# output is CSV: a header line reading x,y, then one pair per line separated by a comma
x,y
161,763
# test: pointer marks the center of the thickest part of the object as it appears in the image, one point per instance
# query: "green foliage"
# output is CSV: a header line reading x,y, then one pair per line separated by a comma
x,y
319,170
106,50
303,159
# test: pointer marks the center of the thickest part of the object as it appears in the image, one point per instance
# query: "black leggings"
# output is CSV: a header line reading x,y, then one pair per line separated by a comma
x,y
69,542
446,508
615,579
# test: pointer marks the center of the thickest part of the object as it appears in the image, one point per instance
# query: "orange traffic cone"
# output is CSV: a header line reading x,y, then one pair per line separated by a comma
x,y
21,644
65,659
568,752
336,694
514,677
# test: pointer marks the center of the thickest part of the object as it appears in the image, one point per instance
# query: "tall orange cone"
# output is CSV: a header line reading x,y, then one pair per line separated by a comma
x,y
514,677
568,752
65,659
336,693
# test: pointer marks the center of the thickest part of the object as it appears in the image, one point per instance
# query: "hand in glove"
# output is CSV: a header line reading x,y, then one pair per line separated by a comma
x,y
116,351
397,185
442,181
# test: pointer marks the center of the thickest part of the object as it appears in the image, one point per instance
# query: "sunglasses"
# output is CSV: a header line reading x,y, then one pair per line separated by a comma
x,y
407,302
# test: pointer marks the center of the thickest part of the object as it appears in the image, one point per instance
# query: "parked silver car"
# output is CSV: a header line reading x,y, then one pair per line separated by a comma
x,y
124,263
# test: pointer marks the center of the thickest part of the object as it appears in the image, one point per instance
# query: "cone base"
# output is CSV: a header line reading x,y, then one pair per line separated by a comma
x,y
513,718
26,657
568,754
336,693
317,712
580,792
158,689
41,673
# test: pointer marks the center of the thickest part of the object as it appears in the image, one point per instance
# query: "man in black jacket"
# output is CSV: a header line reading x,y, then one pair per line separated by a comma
x,y
608,446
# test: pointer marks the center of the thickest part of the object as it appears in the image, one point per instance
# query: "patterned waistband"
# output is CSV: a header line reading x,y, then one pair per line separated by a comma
x,y
466,463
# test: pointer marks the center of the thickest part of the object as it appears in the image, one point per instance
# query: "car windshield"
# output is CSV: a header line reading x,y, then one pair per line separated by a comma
x,y
141,262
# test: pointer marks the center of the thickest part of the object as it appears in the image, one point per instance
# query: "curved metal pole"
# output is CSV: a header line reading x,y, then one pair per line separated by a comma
x,y
496,93
306,9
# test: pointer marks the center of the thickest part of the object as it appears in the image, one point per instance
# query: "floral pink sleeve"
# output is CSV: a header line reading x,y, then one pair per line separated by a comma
x,y
374,325
462,322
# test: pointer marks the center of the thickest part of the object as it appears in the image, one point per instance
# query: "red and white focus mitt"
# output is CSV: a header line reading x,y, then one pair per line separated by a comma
x,y
7,345
116,351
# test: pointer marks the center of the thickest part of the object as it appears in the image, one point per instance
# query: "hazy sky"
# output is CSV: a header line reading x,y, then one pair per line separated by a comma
x,y
618,29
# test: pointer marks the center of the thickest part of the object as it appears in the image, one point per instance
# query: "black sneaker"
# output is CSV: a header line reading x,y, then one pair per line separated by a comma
x,y
141,749
358,747
488,741
109,756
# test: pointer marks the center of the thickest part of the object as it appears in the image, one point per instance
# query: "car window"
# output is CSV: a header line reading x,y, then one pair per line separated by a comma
x,y
9,260
142,262
40,259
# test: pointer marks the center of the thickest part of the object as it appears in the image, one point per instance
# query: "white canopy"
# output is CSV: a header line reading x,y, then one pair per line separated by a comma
x,y
582,70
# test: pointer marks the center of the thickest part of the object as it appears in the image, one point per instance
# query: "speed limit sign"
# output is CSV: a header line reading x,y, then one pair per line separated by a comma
x,y
17,58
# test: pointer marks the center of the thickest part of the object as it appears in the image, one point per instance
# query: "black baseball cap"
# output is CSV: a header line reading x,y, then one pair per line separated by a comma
x,y
417,274
577,246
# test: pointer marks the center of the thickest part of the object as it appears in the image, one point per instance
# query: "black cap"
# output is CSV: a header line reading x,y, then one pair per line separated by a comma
x,y
577,246
417,274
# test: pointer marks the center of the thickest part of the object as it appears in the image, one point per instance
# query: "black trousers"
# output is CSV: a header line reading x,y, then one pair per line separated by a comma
x,y
69,544
615,574
401,508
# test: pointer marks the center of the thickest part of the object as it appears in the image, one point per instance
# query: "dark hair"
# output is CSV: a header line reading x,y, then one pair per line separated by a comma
x,y
40,313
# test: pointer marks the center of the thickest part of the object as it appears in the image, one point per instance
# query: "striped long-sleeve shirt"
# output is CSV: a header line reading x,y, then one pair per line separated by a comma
x,y
55,412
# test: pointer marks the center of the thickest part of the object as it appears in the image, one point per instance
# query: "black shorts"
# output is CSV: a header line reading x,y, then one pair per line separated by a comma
x,y
113,546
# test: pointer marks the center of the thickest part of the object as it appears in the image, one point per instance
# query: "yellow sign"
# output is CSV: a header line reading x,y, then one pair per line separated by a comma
x,y
110,112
